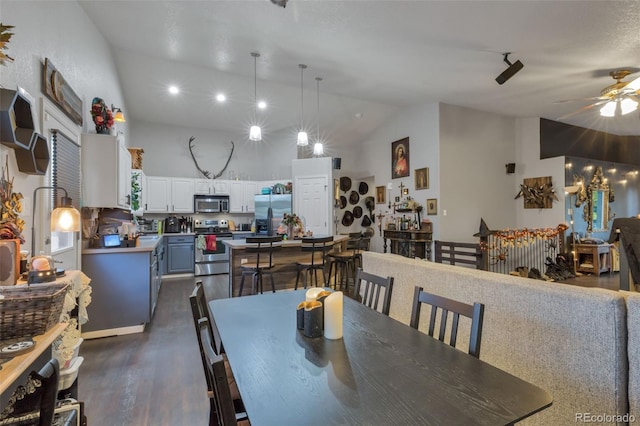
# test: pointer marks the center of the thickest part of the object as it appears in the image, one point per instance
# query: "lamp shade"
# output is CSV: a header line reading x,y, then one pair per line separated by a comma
x,y
119,117
303,139
65,219
318,149
255,134
609,109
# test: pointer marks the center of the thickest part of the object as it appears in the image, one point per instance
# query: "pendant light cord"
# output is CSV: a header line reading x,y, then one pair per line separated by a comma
x,y
302,67
255,85
318,80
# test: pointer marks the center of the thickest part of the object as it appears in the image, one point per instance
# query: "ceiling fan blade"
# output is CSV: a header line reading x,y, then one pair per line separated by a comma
x,y
633,85
581,99
583,109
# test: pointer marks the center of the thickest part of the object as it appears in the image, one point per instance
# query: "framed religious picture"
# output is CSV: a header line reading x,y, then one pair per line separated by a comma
x,y
380,194
422,178
400,158
432,206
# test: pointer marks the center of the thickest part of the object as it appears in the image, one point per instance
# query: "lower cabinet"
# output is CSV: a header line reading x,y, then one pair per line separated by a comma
x,y
124,287
180,254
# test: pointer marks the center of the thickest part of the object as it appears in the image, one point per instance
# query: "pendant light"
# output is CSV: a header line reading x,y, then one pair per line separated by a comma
x,y
255,134
303,138
318,149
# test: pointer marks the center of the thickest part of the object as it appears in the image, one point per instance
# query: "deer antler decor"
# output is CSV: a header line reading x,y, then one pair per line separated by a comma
x,y
207,173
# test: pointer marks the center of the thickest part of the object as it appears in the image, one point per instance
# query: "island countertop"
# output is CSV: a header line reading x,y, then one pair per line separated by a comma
x,y
242,244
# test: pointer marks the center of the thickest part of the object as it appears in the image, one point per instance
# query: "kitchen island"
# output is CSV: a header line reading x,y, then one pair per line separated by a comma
x,y
125,286
284,271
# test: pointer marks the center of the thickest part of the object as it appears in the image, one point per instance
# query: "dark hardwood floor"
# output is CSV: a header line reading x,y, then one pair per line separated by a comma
x,y
156,377
151,378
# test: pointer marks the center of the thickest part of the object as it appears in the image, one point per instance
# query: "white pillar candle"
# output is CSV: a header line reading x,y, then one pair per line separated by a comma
x,y
333,315
312,294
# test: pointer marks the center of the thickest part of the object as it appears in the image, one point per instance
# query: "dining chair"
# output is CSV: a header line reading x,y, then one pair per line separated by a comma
x,y
371,290
199,310
228,412
310,268
265,247
475,312
34,402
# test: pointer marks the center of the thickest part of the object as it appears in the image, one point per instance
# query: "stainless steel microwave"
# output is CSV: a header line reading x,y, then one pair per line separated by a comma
x,y
211,203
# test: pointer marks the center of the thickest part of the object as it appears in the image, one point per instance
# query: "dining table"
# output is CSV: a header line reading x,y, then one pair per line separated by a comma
x,y
380,372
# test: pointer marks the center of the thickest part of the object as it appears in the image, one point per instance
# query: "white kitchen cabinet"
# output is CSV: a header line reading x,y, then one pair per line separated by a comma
x,y
203,187
242,196
221,187
106,171
182,195
138,195
158,191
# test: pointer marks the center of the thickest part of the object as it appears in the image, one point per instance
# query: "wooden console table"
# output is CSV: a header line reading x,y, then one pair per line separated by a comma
x,y
593,258
416,243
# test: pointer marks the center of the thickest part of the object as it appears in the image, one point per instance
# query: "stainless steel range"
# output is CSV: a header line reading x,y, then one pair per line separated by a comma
x,y
212,257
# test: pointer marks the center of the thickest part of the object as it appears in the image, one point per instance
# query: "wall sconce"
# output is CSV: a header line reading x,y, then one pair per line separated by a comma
x,y
389,189
118,115
65,218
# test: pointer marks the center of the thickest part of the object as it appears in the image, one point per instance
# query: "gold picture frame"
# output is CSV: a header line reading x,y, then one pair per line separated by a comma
x,y
422,178
380,194
432,206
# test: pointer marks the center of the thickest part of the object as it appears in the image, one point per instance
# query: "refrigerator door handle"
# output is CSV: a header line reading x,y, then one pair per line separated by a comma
x,y
270,222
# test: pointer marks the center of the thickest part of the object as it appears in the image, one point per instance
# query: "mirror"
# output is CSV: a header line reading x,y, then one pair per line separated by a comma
x,y
597,196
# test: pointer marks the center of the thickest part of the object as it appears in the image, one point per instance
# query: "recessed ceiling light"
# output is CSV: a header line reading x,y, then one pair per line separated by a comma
x,y
262,104
174,90
220,97
359,115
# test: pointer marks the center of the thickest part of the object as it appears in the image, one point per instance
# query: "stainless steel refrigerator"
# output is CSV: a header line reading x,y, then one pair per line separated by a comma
x,y
270,210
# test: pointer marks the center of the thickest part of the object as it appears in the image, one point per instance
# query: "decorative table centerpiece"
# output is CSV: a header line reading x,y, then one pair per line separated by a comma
x,y
294,225
102,116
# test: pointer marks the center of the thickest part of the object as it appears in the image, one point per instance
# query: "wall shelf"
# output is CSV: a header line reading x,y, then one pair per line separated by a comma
x,y
16,120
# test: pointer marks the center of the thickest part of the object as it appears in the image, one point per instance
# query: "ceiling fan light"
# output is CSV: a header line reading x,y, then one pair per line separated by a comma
x,y
628,105
609,109
318,149
303,138
255,134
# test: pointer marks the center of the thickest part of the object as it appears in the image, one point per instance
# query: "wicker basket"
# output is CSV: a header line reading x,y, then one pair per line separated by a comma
x,y
29,310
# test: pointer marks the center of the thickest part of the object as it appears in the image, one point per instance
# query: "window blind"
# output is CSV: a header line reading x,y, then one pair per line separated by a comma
x,y
65,167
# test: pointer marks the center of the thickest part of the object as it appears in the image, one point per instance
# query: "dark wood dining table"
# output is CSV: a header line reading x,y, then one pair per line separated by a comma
x,y
382,372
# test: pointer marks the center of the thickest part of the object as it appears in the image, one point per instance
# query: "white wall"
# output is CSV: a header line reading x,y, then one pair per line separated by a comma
x,y
166,153
63,33
529,165
474,148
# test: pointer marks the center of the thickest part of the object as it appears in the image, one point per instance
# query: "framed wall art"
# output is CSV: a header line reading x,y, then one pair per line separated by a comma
x,y
380,194
400,158
432,206
422,178
60,93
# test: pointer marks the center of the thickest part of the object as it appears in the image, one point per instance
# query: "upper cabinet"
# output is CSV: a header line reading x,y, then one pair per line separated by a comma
x,y
211,187
169,195
242,196
182,195
106,171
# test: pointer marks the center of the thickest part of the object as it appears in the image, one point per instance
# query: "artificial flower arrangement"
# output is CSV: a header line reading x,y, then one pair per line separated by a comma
x,y
102,116
294,225
11,225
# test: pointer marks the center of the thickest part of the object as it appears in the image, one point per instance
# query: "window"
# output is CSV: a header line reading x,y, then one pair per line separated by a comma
x,y
65,173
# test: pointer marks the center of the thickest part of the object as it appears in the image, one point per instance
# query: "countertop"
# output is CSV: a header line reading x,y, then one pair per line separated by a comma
x,y
145,243
240,244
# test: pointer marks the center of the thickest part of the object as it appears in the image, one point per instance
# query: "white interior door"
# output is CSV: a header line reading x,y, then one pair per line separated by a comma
x,y
312,203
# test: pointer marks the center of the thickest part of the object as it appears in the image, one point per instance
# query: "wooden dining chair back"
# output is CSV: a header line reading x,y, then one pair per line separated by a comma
x,y
315,246
475,312
34,402
263,248
370,291
199,313
228,412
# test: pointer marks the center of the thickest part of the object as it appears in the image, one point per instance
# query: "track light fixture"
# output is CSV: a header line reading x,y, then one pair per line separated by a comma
x,y
511,71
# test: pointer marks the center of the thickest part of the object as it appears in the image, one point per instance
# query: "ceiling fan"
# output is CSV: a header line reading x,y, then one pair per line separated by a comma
x,y
620,98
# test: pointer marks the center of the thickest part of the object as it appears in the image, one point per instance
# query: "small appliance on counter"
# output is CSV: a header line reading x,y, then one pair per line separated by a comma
x,y
171,225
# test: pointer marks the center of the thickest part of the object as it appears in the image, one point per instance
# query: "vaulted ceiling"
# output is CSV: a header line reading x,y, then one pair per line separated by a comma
x,y
375,57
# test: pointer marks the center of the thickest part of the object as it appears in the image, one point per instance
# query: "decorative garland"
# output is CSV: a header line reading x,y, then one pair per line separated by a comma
x,y
522,237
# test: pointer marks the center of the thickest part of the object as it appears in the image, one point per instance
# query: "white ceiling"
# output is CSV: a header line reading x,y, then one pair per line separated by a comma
x,y
374,57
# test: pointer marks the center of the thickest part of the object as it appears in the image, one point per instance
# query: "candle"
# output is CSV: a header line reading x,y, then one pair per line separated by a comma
x,y
312,294
333,315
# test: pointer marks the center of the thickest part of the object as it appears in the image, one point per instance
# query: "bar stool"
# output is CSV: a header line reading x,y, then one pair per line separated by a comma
x,y
344,263
264,246
314,245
